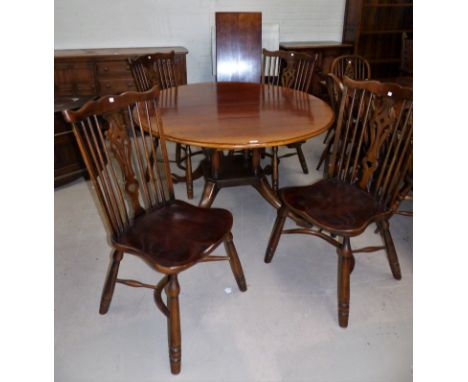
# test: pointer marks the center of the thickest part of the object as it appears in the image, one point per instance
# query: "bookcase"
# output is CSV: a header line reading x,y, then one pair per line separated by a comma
x,y
376,28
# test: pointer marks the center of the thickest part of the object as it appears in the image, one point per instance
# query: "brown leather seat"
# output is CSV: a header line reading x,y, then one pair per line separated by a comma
x,y
175,235
334,205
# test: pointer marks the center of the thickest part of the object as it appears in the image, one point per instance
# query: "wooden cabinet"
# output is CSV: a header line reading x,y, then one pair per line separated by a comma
x,y
326,50
81,74
376,29
68,164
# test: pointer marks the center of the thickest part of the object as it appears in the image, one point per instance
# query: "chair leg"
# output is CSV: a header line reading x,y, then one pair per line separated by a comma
x,y
275,234
390,247
274,171
188,172
324,156
302,160
235,262
345,265
326,136
109,284
173,324
178,153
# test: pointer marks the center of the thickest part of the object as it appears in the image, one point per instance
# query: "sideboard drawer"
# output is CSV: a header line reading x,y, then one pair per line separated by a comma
x,y
104,68
115,85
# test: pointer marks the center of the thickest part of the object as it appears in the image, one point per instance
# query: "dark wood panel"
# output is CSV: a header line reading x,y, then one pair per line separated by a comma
x,y
238,46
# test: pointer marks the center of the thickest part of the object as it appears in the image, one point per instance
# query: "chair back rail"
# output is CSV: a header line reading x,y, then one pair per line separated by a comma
x,y
373,143
117,154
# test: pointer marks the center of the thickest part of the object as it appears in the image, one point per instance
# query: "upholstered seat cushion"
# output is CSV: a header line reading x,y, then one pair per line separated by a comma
x,y
175,235
333,205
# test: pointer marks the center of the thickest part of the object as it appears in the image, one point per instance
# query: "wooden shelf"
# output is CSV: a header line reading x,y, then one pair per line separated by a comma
x,y
393,5
389,31
384,60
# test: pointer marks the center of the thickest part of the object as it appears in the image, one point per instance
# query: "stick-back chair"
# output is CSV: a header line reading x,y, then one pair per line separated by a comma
x,y
367,179
159,69
295,71
351,65
137,198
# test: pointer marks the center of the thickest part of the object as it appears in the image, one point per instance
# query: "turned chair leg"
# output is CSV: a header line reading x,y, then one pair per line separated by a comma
x,y
173,324
109,284
390,247
178,154
188,172
274,166
235,262
324,156
345,265
302,159
275,234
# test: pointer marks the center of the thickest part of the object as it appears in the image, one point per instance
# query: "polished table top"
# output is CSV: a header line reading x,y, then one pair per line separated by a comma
x,y
230,115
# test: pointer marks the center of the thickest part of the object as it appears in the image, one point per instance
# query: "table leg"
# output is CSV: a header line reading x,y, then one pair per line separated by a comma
x,y
262,185
211,189
256,156
209,194
264,188
215,163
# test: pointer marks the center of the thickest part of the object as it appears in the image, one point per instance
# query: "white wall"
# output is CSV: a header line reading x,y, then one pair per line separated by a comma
x,y
142,23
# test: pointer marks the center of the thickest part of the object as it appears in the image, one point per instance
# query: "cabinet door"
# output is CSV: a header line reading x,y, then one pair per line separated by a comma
x,y
68,164
74,78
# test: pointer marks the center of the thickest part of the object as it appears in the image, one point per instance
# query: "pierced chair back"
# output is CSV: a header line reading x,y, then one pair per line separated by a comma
x,y
288,69
353,66
117,155
373,143
159,69
154,69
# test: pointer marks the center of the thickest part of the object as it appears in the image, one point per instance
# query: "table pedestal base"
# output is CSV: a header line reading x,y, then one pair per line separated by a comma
x,y
235,170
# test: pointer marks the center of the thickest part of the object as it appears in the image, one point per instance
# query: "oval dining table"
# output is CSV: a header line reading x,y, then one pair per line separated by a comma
x,y
239,116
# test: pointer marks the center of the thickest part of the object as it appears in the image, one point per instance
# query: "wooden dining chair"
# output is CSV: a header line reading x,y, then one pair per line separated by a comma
x,y
351,65
371,157
159,69
295,71
142,215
